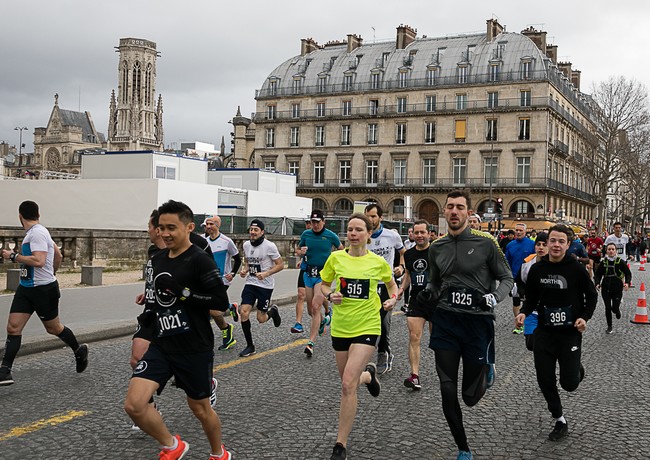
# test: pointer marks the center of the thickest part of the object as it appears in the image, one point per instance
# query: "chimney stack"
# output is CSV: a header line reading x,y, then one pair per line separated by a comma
x,y
354,42
565,68
537,36
575,78
551,53
405,36
493,29
307,45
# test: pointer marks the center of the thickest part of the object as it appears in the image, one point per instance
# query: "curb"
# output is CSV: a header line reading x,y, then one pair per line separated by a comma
x,y
43,343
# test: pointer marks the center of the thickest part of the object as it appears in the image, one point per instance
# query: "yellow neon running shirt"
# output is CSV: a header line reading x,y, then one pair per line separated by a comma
x,y
357,279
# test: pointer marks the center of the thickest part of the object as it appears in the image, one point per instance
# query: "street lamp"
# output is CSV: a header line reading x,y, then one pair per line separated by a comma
x,y
20,148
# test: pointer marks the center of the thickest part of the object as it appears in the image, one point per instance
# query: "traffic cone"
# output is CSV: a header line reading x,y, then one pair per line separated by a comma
x,y
641,316
642,266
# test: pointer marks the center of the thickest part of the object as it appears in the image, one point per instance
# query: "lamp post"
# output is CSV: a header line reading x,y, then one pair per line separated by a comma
x,y
20,148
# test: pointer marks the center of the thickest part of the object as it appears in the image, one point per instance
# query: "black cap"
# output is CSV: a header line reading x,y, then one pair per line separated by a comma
x,y
316,215
257,223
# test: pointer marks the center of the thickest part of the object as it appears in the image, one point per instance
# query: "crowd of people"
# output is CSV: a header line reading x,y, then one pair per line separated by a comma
x,y
450,285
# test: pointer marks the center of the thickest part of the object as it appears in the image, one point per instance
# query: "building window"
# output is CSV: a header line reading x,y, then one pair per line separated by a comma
x,y
294,168
400,134
523,170
320,136
460,171
295,110
429,171
374,107
372,133
432,77
348,82
375,80
346,134
490,170
347,108
270,137
462,74
398,206
491,129
269,165
320,109
403,79
461,101
524,98
273,87
318,203
401,105
429,132
319,172
372,172
399,171
525,69
322,83
297,85
494,71
524,129
271,112
165,172
493,99
430,103
343,206
345,171
295,136
459,130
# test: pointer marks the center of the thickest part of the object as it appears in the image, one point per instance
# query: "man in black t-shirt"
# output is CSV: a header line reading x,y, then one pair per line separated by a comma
x,y
185,284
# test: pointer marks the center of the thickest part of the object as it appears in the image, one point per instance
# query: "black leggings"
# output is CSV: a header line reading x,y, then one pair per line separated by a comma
x,y
612,298
474,386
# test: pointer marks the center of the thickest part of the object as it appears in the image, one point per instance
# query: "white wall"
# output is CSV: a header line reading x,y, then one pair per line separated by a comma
x,y
254,179
268,204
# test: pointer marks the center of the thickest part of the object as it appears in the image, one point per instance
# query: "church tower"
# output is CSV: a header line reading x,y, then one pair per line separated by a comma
x,y
135,117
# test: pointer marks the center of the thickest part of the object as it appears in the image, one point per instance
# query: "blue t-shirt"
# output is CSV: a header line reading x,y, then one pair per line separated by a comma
x,y
578,249
319,246
517,251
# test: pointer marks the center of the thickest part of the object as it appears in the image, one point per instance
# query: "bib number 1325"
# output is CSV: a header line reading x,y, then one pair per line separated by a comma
x,y
461,298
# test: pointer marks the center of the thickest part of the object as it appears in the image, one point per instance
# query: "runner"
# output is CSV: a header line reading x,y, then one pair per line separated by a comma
x,y
475,222
38,291
464,267
262,261
226,256
186,285
620,239
516,251
409,242
417,273
300,300
384,243
316,245
595,250
612,278
356,323
565,298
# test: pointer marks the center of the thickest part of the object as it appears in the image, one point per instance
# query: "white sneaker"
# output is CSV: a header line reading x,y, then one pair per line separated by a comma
x,y
213,395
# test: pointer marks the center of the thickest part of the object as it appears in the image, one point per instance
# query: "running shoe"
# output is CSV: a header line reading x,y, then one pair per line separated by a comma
x,y
175,454
326,320
413,382
228,339
618,313
491,374
225,455
374,387
382,362
297,329
518,330
464,455
309,349
274,314
5,376
609,330
249,350
81,357
213,392
404,308
559,431
234,312
339,452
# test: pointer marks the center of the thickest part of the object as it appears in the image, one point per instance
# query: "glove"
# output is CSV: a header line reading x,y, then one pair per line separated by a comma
x,y
488,302
146,318
166,284
424,297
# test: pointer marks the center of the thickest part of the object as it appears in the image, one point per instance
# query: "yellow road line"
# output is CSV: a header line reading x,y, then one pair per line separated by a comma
x,y
286,347
43,423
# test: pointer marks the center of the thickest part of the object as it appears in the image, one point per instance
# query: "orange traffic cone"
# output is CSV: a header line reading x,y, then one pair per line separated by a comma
x,y
642,266
641,316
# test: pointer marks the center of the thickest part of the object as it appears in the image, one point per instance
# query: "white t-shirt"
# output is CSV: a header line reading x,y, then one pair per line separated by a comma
x,y
260,258
37,239
621,244
408,244
223,249
385,244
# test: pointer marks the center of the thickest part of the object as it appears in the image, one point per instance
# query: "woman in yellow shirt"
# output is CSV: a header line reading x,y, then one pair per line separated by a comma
x,y
356,324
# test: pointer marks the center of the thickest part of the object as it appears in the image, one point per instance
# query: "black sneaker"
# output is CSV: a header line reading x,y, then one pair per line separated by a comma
x,y
275,315
339,452
228,339
618,313
5,377
234,312
374,387
560,431
609,330
249,350
81,356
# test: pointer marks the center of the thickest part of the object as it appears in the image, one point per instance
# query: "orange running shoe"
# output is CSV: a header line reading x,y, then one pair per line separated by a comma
x,y
175,454
225,455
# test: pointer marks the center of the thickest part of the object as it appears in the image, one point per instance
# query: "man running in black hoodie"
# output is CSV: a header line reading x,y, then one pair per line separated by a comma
x,y
561,290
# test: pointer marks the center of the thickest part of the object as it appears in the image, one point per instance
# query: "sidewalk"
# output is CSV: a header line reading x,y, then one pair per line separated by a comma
x,y
97,313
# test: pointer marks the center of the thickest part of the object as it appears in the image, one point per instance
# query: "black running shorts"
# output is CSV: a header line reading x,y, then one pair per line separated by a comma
x,y
42,300
252,294
343,343
301,280
470,335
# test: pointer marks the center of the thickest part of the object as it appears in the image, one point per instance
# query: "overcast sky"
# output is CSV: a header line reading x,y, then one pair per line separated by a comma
x,y
215,54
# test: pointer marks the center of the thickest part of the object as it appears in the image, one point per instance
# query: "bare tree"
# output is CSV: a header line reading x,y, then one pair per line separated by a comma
x,y
624,116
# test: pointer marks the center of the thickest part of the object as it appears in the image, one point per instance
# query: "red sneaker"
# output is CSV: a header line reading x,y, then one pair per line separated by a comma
x,y
225,455
175,454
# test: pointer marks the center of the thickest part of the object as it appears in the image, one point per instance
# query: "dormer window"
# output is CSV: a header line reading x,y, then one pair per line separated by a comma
x,y
403,78
348,82
463,71
297,84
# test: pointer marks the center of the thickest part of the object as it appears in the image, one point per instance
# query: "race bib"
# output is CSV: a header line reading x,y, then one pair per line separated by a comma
x,y
172,322
463,298
419,279
619,249
254,269
312,271
26,272
558,316
355,289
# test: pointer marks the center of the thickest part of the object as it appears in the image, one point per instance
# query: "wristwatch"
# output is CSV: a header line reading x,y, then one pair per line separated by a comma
x,y
185,293
328,296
